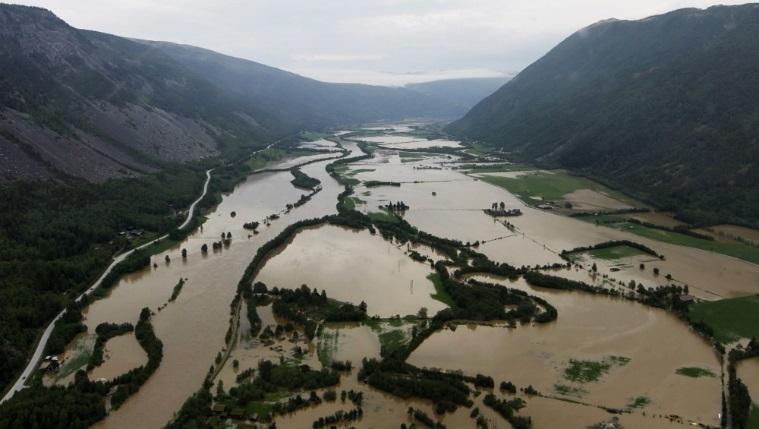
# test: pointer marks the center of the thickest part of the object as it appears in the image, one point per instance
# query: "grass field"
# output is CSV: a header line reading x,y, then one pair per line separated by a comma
x,y
440,293
534,188
266,156
735,249
383,216
391,341
261,410
494,168
731,319
313,135
616,252
351,202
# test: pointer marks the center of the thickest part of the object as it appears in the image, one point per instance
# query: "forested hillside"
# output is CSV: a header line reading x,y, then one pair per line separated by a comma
x,y
666,108
76,103
304,102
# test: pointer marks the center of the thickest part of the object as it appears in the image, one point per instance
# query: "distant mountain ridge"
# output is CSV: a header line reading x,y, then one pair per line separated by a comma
x,y
316,103
666,108
460,92
77,103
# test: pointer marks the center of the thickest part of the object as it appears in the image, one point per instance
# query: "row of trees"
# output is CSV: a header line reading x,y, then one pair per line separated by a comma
x,y
609,244
508,410
740,399
447,391
129,383
106,331
303,180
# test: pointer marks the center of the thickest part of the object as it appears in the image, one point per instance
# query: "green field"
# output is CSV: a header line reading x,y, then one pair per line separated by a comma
x,y
440,293
616,252
383,216
391,341
261,410
351,202
479,149
313,135
534,188
731,319
266,156
494,168
735,249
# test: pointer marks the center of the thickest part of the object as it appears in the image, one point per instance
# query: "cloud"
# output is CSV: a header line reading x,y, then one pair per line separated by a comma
x,y
393,78
338,57
371,41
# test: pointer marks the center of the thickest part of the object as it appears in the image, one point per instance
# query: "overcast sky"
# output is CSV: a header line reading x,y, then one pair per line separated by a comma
x,y
387,42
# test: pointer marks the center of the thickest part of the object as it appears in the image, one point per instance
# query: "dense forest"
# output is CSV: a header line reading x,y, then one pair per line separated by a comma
x,y
663,108
57,238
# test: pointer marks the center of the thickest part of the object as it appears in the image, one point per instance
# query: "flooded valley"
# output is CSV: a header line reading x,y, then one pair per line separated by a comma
x,y
634,353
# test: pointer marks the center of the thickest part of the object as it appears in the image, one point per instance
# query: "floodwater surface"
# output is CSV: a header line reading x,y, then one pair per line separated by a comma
x,y
192,328
640,348
653,343
353,266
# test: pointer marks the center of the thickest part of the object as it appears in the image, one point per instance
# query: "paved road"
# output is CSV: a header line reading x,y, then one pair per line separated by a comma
x,y
30,367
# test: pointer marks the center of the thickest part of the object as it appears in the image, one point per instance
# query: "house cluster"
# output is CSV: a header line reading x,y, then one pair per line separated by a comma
x,y
222,413
131,233
50,364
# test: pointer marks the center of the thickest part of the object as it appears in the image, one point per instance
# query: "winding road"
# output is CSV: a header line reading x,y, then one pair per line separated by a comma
x,y
30,367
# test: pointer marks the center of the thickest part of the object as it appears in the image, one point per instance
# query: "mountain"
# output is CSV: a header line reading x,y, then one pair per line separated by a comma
x,y
460,92
76,103
304,102
665,108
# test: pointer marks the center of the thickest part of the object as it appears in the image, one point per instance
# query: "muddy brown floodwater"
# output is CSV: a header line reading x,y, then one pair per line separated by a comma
x,y
356,266
120,355
192,328
455,211
589,328
353,266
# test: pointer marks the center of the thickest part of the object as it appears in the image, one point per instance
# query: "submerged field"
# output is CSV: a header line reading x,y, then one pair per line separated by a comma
x,y
399,289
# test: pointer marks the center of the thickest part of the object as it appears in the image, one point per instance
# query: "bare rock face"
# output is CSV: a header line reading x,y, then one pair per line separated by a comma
x,y
92,106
